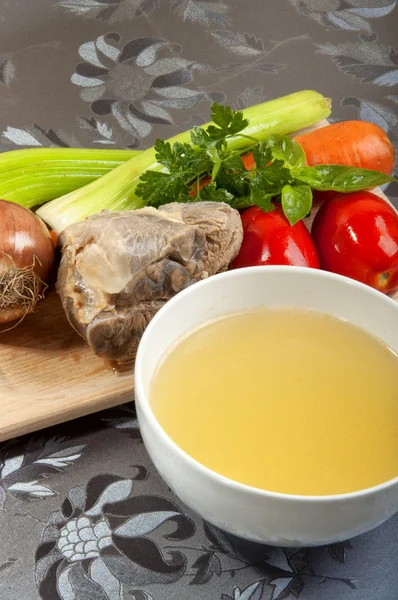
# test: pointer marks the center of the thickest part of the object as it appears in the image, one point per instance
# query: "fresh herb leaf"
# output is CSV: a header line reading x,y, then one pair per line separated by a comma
x,y
212,193
183,162
230,173
227,122
259,197
233,176
274,176
310,176
158,188
164,154
341,179
200,138
234,164
262,156
296,202
286,149
182,158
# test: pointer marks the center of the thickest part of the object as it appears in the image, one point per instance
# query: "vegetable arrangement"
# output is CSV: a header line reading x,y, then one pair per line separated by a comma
x,y
279,172
242,158
118,189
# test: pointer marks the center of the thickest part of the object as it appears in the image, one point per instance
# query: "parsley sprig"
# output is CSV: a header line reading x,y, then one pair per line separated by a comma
x,y
279,174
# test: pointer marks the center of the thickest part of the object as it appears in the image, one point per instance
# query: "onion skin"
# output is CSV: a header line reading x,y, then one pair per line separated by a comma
x,y
26,247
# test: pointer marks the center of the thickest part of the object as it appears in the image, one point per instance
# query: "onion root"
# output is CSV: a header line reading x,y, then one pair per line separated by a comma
x,y
20,291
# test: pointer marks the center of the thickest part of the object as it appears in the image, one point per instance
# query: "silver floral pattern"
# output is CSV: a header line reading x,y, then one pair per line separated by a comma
x,y
83,513
112,538
101,538
26,464
351,15
368,61
138,82
110,11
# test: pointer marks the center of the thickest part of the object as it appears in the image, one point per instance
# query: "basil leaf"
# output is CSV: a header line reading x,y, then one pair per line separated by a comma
x,y
310,176
286,149
341,179
296,202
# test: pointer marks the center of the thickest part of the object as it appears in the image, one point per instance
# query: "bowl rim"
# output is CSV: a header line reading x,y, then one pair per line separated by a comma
x,y
143,401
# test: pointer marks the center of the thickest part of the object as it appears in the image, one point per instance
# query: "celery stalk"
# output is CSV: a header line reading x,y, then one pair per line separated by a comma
x,y
116,190
16,159
36,185
34,176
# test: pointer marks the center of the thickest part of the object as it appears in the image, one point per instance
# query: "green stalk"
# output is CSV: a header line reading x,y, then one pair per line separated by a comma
x,y
36,185
57,157
34,176
116,190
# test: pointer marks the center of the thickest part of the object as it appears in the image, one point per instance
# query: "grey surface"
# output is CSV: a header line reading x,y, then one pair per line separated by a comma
x,y
241,52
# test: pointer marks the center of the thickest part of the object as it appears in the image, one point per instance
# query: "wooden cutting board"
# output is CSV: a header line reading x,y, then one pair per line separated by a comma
x,y
48,374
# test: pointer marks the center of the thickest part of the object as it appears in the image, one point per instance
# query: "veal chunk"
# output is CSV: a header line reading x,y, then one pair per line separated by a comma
x,y
118,268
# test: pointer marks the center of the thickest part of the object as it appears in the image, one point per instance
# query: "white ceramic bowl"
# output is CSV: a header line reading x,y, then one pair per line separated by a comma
x,y
248,512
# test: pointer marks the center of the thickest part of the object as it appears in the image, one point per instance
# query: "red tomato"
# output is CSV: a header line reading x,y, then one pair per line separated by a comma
x,y
269,239
357,235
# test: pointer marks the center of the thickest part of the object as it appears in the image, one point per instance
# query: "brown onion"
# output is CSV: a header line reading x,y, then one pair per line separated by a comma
x,y
26,259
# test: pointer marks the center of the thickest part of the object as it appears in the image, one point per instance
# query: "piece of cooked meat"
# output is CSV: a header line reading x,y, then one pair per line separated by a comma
x,y
119,268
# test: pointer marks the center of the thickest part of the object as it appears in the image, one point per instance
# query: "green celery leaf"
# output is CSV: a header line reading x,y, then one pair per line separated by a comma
x,y
184,163
212,193
296,202
164,154
200,137
269,179
286,149
258,196
262,156
274,176
158,188
182,158
227,122
235,181
341,179
189,160
233,164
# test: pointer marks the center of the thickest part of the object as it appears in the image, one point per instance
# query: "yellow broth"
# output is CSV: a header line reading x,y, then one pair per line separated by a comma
x,y
286,400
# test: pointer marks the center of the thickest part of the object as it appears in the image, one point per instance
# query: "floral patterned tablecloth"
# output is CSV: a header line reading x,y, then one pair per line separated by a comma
x,y
83,513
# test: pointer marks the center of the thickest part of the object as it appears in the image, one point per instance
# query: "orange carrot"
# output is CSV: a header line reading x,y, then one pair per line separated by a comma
x,y
350,143
204,181
248,161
